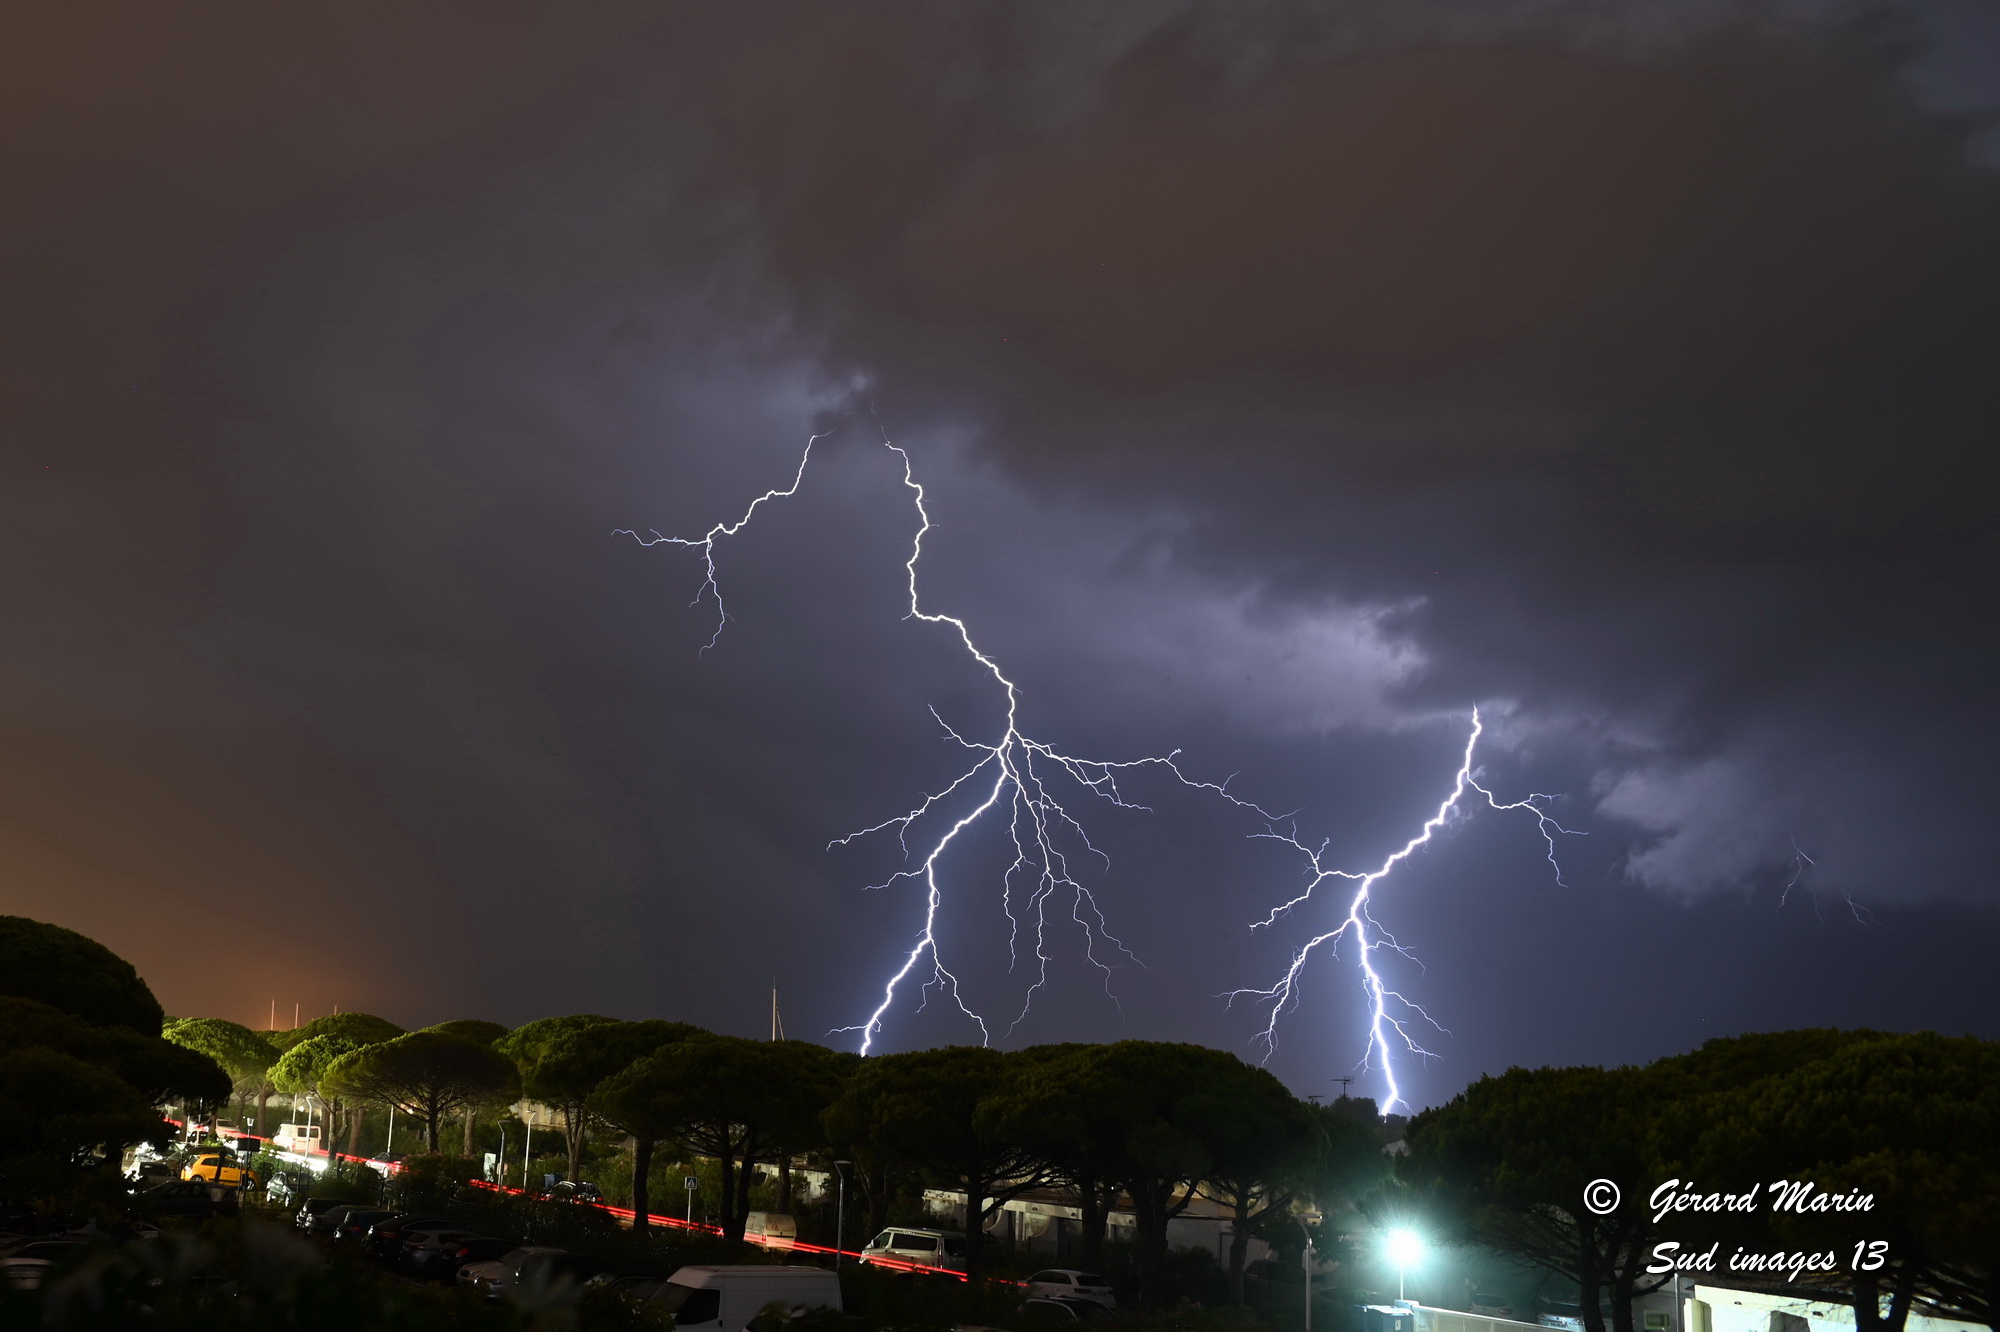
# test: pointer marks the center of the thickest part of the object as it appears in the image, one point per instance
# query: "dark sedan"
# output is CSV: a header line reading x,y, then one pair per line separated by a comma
x,y
444,1262
329,1221
310,1210
385,1237
352,1228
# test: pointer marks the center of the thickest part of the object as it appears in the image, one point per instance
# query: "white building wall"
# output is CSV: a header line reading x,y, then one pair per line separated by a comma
x,y
1721,1309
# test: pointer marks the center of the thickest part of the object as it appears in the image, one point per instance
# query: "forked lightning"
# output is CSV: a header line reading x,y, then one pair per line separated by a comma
x,y
1017,773
1013,771
1358,923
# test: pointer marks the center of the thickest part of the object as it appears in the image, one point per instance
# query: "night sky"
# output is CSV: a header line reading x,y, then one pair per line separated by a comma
x,y
1286,380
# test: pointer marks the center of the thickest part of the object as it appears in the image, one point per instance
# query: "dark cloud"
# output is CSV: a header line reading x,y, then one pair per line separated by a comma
x,y
1287,379
1647,377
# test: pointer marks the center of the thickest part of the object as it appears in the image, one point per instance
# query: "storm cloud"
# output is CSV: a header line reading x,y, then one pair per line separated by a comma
x,y
1287,379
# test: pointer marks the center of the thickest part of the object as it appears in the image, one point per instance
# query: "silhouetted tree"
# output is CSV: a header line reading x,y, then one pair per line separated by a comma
x,y
575,1061
1169,1108
1262,1156
1911,1120
67,1086
471,1029
357,1028
530,1046
301,1071
483,1033
426,1074
1047,1110
733,1100
938,1109
243,1054
74,974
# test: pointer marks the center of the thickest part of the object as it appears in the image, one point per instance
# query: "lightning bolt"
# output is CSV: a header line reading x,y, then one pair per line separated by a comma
x,y
1801,863
1800,860
1389,1011
1013,776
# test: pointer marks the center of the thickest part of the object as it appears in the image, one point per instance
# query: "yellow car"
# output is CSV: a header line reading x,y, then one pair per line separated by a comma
x,y
219,1170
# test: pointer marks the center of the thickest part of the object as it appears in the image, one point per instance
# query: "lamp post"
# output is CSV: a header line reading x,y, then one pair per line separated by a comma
x,y
1405,1250
840,1169
1307,1220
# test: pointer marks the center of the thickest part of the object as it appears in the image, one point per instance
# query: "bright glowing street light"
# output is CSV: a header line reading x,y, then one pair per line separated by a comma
x,y
1405,1249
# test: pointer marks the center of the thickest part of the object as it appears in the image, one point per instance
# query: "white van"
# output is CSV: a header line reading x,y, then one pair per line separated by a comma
x,y
725,1299
774,1230
924,1248
299,1139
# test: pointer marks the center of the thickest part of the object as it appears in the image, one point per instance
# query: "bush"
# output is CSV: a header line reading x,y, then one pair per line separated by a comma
x,y
432,1177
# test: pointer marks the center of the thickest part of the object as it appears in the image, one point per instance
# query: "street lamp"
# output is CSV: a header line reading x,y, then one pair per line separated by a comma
x,y
1307,1220
1405,1250
840,1169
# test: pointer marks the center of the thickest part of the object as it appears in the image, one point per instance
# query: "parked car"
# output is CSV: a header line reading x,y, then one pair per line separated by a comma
x,y
40,1246
312,1207
330,1219
449,1258
581,1190
924,1248
1068,1283
187,1197
352,1228
219,1168
24,1273
61,1248
422,1243
1062,1309
1492,1306
633,1285
385,1237
493,1279
28,1265
1567,1316
725,1299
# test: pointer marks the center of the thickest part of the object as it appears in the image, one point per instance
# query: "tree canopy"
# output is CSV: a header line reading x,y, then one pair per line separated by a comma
x,y
533,1044
572,1061
471,1029
299,1071
67,1086
734,1100
1509,1160
592,1056
75,974
1270,1151
360,1028
1045,1109
1911,1120
935,1109
1172,1109
426,1074
243,1054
